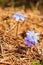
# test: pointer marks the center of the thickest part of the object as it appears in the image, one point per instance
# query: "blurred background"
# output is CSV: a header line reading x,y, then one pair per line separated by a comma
x,y
25,4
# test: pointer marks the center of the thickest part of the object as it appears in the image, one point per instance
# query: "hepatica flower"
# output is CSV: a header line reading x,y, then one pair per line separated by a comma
x,y
31,38
19,16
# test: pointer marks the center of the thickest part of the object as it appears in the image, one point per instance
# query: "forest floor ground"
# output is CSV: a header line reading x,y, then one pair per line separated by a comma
x,y
13,50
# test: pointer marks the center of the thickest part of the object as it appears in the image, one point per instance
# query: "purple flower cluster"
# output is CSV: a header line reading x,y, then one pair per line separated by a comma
x,y
31,38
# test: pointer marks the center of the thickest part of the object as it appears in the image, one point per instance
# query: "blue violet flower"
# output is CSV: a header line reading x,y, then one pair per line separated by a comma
x,y
19,16
31,38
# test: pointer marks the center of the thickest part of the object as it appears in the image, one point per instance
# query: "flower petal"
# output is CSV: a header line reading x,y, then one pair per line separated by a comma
x,y
17,18
33,43
30,33
36,39
28,38
16,13
28,43
14,16
36,34
22,18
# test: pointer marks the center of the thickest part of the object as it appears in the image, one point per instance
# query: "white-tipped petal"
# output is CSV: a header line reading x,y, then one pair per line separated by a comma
x,y
17,18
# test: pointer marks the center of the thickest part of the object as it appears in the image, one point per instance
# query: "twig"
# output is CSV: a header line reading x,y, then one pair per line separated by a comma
x,y
36,24
2,24
4,63
11,29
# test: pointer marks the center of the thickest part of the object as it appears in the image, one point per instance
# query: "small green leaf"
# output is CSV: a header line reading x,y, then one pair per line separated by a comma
x,y
36,62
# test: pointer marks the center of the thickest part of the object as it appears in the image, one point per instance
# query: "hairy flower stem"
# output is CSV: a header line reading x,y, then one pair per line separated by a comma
x,y
1,50
17,29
